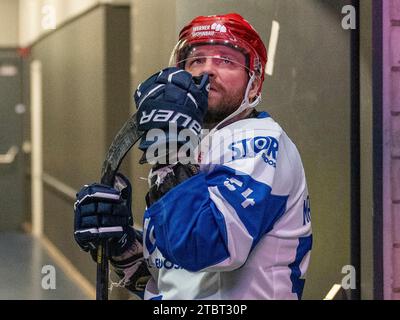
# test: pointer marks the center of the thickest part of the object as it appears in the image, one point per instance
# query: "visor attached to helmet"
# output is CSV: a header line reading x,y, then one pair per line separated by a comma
x,y
221,54
229,30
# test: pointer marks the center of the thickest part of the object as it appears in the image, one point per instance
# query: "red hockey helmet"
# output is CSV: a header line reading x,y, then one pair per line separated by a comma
x,y
230,30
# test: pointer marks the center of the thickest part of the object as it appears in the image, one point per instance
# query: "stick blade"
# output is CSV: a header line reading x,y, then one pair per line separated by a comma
x,y
127,136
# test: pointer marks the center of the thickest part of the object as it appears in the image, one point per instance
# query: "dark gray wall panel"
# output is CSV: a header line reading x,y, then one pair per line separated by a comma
x,y
118,102
367,151
86,93
11,129
73,64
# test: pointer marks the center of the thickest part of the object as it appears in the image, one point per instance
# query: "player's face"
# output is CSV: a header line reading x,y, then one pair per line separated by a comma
x,y
228,74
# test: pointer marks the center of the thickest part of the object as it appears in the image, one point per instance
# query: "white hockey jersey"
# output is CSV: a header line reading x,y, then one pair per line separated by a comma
x,y
241,228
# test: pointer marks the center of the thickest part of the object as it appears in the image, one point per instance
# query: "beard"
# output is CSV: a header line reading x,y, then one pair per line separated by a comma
x,y
222,108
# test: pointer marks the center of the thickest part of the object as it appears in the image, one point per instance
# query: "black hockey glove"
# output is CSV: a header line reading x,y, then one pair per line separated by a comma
x,y
103,212
171,100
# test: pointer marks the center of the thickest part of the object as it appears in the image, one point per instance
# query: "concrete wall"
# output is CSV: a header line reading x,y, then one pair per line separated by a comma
x,y
366,150
24,21
9,28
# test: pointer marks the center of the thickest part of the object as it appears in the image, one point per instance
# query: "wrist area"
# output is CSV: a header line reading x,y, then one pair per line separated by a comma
x,y
163,178
168,149
118,247
134,249
131,267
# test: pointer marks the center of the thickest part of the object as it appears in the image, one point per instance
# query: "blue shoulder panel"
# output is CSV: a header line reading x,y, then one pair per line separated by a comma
x,y
189,229
263,114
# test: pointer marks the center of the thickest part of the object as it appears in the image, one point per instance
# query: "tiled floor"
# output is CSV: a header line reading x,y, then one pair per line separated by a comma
x,y
24,275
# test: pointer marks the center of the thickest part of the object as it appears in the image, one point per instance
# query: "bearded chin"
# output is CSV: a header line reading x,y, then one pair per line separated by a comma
x,y
215,116
223,108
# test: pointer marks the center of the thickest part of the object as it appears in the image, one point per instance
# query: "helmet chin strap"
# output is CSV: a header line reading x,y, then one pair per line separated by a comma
x,y
204,145
246,104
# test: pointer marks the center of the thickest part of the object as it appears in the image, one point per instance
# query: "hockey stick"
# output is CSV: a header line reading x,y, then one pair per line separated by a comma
x,y
127,136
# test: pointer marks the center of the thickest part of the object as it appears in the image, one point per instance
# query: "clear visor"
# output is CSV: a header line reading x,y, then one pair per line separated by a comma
x,y
220,55
191,64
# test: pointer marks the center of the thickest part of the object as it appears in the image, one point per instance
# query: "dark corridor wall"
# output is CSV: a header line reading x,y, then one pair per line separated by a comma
x,y
86,99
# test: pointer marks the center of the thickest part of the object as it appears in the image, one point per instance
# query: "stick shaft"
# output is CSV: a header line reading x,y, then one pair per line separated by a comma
x,y
122,143
102,272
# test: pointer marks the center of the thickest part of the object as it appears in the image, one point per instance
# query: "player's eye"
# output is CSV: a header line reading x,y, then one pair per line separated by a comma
x,y
196,61
227,60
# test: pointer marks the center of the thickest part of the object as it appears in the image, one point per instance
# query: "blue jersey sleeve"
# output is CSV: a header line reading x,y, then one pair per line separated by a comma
x,y
213,220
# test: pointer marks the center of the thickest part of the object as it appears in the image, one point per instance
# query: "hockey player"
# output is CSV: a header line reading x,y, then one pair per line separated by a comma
x,y
233,223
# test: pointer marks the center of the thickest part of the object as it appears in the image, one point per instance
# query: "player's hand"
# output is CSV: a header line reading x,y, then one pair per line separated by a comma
x,y
103,212
171,96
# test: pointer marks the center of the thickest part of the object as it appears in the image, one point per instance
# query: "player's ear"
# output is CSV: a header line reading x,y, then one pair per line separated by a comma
x,y
254,88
